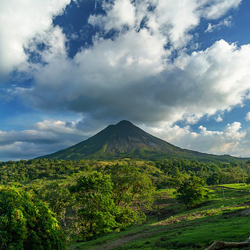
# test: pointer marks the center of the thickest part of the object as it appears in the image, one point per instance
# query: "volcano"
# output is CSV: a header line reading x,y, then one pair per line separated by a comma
x,y
125,140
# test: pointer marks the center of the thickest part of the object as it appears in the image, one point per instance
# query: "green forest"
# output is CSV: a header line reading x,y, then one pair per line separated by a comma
x,y
122,204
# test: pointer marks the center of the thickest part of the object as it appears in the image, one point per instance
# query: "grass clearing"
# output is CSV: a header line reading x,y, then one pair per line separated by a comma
x,y
217,219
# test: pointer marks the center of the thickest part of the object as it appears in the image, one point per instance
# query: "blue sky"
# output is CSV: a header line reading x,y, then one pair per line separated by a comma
x,y
178,69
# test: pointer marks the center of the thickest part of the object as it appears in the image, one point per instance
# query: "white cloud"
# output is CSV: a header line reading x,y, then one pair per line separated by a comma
x,y
21,21
232,131
111,80
247,118
217,8
231,140
131,76
227,22
120,14
218,119
209,81
172,20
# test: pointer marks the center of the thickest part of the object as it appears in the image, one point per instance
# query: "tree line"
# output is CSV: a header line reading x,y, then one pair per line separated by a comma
x,y
162,173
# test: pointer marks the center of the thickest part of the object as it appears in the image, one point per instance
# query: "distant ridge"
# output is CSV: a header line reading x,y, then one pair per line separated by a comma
x,y
125,140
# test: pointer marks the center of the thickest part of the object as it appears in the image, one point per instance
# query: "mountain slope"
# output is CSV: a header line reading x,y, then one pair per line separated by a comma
x,y
125,140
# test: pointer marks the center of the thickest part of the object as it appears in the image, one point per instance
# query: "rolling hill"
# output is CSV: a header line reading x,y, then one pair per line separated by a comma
x,y
125,140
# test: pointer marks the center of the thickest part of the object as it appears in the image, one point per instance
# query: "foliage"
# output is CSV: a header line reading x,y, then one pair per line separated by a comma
x,y
58,197
127,216
27,223
96,213
168,172
130,184
192,191
194,228
105,201
132,192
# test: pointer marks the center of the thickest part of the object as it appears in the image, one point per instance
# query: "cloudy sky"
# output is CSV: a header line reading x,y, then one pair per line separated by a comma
x,y
179,69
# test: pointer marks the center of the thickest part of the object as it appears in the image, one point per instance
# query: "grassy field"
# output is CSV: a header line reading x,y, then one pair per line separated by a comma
x,y
171,226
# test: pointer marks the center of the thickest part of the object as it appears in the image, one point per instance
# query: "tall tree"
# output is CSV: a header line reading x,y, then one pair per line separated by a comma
x,y
97,211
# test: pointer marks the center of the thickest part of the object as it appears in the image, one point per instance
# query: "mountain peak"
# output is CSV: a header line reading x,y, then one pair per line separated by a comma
x,y
121,126
124,123
125,140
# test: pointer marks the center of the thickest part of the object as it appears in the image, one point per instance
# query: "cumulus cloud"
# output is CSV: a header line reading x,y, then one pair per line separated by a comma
x,y
132,76
121,14
171,20
208,79
110,80
247,118
21,21
231,140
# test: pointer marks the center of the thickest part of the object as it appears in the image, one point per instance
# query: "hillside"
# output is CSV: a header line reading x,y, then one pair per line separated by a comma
x,y
171,226
125,140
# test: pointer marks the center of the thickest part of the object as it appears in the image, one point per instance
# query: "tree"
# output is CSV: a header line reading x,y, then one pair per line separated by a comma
x,y
130,184
97,211
27,223
192,191
132,192
178,177
213,179
58,198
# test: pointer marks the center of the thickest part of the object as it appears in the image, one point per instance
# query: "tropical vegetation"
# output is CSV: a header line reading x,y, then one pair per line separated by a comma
x,y
58,204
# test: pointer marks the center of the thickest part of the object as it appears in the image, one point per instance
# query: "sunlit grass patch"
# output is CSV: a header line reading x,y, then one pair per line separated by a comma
x,y
219,228
240,186
195,228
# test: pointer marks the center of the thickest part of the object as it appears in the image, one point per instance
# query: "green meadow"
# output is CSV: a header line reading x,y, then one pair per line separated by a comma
x,y
172,226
